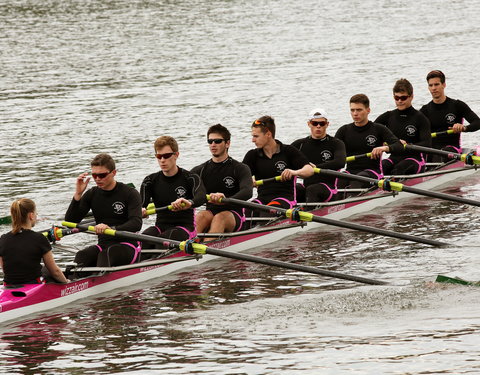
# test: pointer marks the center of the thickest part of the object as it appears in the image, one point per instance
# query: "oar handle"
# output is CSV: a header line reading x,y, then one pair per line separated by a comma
x,y
444,132
349,159
55,233
267,180
466,158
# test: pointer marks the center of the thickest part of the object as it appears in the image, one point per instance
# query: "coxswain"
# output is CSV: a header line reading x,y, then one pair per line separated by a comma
x,y
22,249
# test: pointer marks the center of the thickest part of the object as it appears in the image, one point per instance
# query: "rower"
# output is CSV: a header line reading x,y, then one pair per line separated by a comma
x,y
223,177
446,114
22,249
114,205
272,158
363,136
411,126
174,186
323,151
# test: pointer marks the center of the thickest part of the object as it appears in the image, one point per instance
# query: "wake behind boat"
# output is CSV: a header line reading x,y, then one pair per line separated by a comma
x,y
24,300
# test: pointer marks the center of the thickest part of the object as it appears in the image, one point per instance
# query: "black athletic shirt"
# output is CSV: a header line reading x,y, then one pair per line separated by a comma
x,y
21,254
262,167
410,125
119,208
164,190
229,177
326,153
360,140
444,115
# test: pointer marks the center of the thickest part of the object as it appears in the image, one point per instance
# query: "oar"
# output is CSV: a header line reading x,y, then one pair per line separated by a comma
x,y
55,233
434,135
196,248
356,157
451,155
455,280
396,186
307,216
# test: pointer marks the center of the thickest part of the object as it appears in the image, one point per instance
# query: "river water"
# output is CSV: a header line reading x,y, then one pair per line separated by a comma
x,y
79,77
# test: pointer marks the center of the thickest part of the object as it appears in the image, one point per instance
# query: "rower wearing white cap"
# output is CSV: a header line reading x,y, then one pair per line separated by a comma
x,y
323,151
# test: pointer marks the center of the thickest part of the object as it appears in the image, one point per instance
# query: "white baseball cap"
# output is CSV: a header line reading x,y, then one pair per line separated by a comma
x,y
317,113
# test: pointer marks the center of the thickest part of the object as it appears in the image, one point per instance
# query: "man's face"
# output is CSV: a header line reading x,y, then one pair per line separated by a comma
x,y
318,127
359,113
402,100
259,138
166,158
103,177
436,87
218,146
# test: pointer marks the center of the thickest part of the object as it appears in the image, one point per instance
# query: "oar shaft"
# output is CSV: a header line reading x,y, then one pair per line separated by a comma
x,y
306,216
448,154
203,249
396,186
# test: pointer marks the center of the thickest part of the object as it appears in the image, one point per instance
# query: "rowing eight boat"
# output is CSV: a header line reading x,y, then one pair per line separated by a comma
x,y
25,300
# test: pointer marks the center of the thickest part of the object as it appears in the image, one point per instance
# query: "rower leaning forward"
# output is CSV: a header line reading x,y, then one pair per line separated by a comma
x,y
114,205
362,137
323,151
173,187
223,177
272,158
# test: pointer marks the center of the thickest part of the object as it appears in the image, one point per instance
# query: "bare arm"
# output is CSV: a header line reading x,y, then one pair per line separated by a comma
x,y
52,267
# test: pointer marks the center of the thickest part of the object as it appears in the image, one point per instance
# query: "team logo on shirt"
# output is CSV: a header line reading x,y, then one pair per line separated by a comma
x,y
181,191
411,130
118,208
326,155
280,166
229,182
371,140
450,118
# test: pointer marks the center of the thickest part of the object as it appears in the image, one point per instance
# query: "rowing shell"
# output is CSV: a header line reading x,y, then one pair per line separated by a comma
x,y
26,300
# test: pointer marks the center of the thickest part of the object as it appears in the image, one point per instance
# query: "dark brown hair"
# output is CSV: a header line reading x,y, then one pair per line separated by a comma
x,y
265,123
103,160
360,98
403,85
436,74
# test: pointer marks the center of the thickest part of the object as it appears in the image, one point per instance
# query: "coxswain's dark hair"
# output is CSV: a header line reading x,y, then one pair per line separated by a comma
x,y
19,211
103,160
403,85
265,123
219,129
360,99
436,74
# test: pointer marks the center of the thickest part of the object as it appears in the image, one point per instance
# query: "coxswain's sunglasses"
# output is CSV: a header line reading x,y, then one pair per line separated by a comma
x,y
166,155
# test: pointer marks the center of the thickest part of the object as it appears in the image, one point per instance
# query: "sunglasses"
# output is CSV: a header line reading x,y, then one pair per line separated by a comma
x,y
402,98
100,175
166,155
316,123
217,141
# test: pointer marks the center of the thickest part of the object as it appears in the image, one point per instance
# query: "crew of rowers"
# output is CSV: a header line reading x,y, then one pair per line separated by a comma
x,y
116,205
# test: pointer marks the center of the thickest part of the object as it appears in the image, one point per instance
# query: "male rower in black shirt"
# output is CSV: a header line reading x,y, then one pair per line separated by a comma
x,y
272,158
174,186
363,136
445,113
223,177
114,205
411,126
325,152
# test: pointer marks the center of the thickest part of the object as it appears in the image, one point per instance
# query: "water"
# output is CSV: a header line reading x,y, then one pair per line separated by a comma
x,y
82,77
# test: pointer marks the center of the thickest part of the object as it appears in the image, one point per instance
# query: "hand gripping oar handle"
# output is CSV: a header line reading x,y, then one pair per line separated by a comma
x,y
194,248
307,216
388,185
466,158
